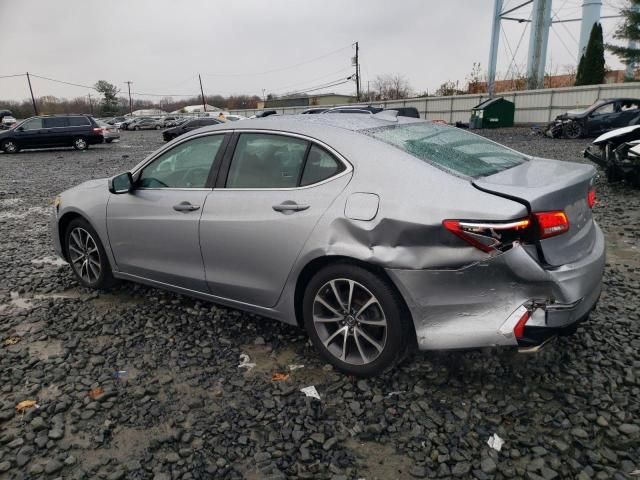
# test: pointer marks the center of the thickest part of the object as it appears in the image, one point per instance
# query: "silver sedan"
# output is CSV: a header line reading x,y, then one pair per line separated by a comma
x,y
376,233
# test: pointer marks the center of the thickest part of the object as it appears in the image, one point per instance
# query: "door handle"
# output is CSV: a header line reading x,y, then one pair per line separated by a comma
x,y
289,207
185,207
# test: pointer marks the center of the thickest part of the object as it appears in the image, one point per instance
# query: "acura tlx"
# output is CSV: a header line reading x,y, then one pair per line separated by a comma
x,y
374,232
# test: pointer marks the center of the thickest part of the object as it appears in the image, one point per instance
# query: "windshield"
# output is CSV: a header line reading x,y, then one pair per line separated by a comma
x,y
452,149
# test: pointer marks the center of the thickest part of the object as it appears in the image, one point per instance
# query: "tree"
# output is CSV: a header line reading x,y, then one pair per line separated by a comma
x,y
448,89
109,92
474,80
390,87
629,30
591,69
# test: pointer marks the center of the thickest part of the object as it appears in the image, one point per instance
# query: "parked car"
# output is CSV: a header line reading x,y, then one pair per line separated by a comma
x,y
7,120
467,244
113,121
618,153
188,126
131,122
603,116
146,124
264,113
166,121
234,118
355,109
109,132
177,121
314,111
78,131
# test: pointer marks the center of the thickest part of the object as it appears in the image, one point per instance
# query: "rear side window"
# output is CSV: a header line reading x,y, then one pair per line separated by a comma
x,y
79,121
54,122
266,161
449,148
320,165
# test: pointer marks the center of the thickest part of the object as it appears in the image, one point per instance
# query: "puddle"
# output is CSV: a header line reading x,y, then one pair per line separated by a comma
x,y
56,261
44,350
380,461
19,303
30,211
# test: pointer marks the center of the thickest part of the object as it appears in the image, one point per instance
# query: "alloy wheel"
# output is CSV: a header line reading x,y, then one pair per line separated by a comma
x,y
84,255
349,321
80,144
10,147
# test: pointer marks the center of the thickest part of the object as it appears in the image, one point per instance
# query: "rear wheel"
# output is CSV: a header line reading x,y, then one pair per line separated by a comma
x,y
572,130
355,319
87,256
9,146
80,143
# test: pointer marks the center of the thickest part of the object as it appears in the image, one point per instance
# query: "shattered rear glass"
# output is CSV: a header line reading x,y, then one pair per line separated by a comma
x,y
452,149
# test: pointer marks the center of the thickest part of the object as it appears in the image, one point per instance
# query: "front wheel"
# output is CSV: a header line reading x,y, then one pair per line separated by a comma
x,y
356,319
572,130
87,255
80,143
9,146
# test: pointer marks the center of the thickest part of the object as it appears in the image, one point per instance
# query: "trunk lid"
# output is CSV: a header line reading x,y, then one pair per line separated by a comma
x,y
545,185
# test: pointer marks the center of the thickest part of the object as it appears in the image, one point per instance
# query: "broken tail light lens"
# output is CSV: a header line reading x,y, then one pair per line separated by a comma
x,y
552,223
591,197
489,236
518,330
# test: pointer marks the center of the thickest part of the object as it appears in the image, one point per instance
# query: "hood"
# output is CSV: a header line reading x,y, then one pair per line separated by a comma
x,y
98,183
618,132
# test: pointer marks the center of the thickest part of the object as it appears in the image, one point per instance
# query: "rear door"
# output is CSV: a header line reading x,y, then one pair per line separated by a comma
x,y
273,190
55,130
79,126
153,232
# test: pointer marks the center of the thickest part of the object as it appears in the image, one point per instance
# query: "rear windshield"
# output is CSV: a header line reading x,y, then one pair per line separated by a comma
x,y
452,149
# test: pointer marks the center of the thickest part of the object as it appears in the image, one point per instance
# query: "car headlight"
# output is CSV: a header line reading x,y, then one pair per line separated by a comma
x,y
56,202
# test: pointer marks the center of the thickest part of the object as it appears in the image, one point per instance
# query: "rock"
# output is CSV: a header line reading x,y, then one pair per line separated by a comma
x,y
629,428
38,423
5,466
461,469
488,465
418,471
172,457
328,445
53,466
56,433
24,456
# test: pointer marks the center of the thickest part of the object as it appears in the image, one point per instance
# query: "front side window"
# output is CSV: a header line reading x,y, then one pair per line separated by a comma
x,y
449,148
604,109
187,165
33,124
266,161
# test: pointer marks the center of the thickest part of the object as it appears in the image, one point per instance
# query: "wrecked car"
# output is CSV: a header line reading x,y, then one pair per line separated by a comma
x,y
376,233
603,116
618,153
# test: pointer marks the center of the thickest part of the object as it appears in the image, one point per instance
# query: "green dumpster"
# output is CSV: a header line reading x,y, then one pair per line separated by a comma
x,y
493,113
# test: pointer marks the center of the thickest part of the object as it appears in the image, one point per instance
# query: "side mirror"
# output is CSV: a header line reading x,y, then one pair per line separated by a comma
x,y
122,183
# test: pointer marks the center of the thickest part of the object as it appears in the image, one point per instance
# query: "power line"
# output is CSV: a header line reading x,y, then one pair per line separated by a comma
x,y
279,69
10,76
334,83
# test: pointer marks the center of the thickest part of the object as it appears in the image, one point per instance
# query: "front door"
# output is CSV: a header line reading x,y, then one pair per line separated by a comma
x,y
253,229
153,231
31,134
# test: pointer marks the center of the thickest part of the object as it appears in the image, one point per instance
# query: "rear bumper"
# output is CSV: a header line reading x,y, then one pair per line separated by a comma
x,y
469,307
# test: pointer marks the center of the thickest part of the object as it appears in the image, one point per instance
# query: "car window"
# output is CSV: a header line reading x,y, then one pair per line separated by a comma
x,y
604,109
33,124
187,165
266,161
320,165
78,121
629,105
449,148
54,122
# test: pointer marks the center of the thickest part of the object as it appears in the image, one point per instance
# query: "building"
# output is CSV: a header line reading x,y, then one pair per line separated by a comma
x,y
149,112
197,109
318,100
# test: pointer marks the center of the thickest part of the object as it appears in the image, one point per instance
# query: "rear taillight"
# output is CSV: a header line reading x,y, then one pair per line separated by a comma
x,y
98,130
489,236
551,224
591,197
518,330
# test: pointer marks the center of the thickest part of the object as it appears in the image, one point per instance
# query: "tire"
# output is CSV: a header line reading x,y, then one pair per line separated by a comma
x,y
362,326
572,130
108,140
80,143
158,127
87,256
10,146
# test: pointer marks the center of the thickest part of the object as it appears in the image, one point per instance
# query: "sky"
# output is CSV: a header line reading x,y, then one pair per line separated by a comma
x,y
245,46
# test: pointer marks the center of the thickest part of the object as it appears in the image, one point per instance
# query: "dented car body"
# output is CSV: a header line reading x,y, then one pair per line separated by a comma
x,y
484,246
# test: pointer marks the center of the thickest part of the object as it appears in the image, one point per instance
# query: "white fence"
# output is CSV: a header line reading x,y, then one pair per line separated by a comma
x,y
532,106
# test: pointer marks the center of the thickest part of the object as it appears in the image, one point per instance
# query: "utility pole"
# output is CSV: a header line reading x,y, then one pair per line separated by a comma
x,y
538,43
128,82
493,52
204,102
33,99
90,104
357,75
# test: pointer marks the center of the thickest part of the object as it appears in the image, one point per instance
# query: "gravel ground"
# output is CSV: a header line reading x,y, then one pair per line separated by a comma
x,y
139,383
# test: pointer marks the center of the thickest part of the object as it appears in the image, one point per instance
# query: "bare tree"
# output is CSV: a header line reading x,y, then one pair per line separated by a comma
x,y
391,87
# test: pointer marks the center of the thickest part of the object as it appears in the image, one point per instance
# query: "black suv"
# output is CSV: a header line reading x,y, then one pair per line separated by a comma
x,y
77,131
174,132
